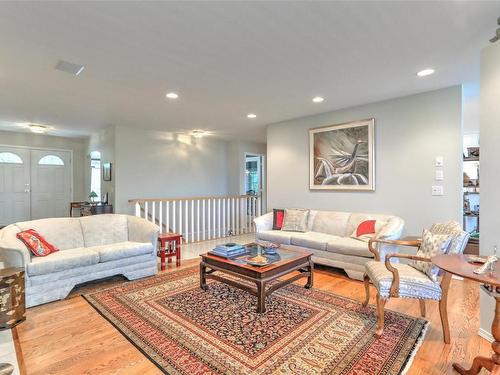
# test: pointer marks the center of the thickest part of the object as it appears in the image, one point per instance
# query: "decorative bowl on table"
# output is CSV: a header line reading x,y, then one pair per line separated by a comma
x,y
269,247
258,260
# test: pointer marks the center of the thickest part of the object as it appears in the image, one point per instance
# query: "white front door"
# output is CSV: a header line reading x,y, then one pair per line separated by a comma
x,y
50,183
14,185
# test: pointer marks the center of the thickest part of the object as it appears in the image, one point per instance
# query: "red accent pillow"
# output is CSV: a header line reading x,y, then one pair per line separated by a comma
x,y
365,227
36,243
278,216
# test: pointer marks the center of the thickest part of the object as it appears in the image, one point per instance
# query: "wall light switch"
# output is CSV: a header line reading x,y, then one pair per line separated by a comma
x,y
437,190
439,175
439,161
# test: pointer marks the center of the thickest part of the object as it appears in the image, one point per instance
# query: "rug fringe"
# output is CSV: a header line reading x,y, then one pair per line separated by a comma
x,y
414,351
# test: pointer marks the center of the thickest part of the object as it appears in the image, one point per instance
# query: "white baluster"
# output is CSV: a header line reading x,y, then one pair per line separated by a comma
x,y
180,219
254,206
238,204
202,221
160,215
218,217
192,221
233,218
137,209
213,219
259,206
153,212
209,217
146,211
174,216
187,220
167,215
224,216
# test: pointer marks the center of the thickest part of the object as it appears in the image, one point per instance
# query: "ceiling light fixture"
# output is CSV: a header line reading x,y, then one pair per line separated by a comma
x,y
172,95
425,72
37,128
318,99
198,133
251,115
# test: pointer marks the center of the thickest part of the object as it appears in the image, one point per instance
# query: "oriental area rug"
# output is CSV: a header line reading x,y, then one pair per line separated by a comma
x,y
185,330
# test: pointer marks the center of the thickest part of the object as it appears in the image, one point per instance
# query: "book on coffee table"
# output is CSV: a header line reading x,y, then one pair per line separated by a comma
x,y
228,250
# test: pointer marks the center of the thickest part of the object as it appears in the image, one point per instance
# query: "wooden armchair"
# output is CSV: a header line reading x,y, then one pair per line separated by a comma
x,y
394,280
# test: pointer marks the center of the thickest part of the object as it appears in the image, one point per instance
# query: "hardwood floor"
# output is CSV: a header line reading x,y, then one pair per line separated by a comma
x,y
70,337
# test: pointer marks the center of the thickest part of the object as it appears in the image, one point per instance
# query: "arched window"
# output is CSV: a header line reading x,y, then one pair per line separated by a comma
x,y
51,160
10,158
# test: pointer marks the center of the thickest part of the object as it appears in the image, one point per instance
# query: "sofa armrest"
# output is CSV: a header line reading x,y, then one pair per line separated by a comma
x,y
264,222
141,230
13,251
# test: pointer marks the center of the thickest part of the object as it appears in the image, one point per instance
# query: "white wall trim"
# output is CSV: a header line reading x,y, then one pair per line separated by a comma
x,y
485,335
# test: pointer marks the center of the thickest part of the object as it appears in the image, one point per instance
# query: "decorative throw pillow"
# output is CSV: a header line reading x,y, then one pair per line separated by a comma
x,y
36,243
295,220
278,216
367,230
459,237
432,245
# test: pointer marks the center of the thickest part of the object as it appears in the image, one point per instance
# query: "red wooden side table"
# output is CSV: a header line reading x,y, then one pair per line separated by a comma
x,y
170,246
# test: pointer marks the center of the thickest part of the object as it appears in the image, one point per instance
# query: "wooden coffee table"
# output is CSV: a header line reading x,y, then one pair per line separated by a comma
x,y
285,262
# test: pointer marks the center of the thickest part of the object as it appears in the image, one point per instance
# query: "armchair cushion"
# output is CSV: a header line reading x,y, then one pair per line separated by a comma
x,y
432,245
412,282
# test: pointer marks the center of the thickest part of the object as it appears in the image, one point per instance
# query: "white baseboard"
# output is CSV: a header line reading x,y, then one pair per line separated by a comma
x,y
485,334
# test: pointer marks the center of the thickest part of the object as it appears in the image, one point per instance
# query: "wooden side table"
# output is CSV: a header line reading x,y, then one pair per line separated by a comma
x,y
458,265
170,246
12,300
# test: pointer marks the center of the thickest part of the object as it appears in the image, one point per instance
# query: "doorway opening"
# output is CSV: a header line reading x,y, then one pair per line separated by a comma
x,y
254,179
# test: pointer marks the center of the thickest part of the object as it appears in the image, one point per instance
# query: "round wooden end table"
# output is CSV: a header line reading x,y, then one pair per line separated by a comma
x,y
490,283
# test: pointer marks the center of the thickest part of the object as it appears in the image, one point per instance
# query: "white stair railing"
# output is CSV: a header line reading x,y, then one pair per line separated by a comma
x,y
201,218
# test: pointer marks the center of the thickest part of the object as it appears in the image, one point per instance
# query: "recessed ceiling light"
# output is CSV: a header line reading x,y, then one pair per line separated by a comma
x,y
69,67
37,128
198,133
425,72
318,99
172,95
251,115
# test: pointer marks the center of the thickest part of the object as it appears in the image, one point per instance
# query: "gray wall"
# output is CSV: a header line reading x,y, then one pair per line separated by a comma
x,y
154,164
409,133
490,156
77,145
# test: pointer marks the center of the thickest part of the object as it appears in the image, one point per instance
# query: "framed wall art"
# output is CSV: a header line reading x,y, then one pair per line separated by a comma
x,y
342,157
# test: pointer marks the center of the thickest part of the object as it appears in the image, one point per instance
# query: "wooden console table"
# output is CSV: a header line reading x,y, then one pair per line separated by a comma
x,y
458,265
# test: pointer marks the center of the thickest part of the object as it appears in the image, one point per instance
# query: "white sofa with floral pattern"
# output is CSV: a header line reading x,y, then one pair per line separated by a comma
x,y
90,248
328,237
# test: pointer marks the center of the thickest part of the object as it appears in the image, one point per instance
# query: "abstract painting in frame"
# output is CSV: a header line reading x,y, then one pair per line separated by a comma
x,y
341,156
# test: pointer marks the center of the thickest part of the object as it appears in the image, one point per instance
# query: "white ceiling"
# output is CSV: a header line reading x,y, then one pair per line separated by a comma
x,y
227,59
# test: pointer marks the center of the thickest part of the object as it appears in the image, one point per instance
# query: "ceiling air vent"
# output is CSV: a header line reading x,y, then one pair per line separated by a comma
x,y
67,67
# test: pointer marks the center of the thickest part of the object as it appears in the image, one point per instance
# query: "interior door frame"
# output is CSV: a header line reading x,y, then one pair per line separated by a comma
x,y
47,149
